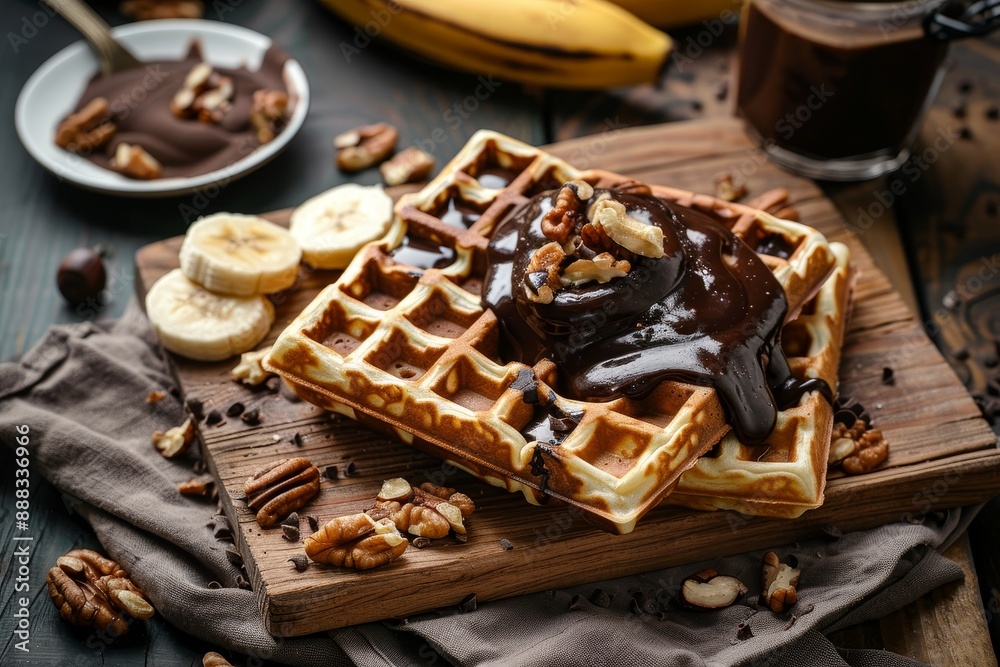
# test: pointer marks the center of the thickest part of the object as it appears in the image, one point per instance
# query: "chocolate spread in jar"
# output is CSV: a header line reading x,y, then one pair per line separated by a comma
x,y
139,101
708,312
836,79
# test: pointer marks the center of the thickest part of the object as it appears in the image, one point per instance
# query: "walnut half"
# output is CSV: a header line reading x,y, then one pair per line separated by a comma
x,y
93,591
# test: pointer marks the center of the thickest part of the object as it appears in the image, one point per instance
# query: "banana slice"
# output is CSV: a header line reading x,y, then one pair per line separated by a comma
x,y
333,226
240,255
195,323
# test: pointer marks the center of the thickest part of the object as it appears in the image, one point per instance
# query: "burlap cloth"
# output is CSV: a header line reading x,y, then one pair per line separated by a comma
x,y
81,391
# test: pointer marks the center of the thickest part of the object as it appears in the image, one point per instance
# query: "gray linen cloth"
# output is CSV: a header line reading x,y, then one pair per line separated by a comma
x,y
81,390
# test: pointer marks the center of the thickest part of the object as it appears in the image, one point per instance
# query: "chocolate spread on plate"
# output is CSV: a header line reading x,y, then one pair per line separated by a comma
x,y
708,312
139,100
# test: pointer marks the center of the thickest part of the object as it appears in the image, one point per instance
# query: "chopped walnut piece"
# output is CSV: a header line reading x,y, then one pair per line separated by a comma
x,y
249,370
463,502
156,396
133,161
778,592
858,449
726,190
626,231
90,590
603,268
409,166
365,146
88,129
567,211
541,279
175,441
356,541
205,95
269,113
201,485
146,10
414,519
280,488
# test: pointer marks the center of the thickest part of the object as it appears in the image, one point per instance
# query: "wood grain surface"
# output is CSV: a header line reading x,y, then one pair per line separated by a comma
x,y
943,453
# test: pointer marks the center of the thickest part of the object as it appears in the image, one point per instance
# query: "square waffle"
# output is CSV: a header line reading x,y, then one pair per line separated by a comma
x,y
402,341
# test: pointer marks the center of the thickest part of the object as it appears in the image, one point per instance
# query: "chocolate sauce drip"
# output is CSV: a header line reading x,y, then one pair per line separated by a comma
x,y
139,99
708,312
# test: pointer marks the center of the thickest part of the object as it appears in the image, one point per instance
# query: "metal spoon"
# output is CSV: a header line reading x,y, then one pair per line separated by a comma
x,y
113,56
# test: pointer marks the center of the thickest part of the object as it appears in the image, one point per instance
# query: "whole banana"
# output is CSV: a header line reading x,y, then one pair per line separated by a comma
x,y
557,43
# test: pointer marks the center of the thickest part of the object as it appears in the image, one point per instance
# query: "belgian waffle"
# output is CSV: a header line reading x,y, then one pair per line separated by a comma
x,y
401,339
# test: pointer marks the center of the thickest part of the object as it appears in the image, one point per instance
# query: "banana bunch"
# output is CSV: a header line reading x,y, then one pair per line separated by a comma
x,y
215,305
557,43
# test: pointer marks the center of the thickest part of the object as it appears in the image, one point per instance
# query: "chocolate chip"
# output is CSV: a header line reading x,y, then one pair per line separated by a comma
x,y
313,522
506,544
965,133
723,91
222,532
993,113
601,598
251,417
291,520
235,410
300,563
965,86
461,539
296,440
214,417
743,631
959,111
421,542
214,585
290,533
196,408
468,603
351,469
273,385
961,354
697,105
577,602
888,376
526,383
641,604
199,467
330,472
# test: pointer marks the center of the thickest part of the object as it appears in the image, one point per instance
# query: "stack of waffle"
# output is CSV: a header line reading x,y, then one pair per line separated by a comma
x,y
402,341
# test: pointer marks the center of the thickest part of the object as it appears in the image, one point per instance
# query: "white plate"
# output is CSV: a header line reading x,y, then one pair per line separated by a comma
x,y
54,89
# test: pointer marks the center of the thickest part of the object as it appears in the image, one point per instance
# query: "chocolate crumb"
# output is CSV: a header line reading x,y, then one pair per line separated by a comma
x,y
214,585
959,111
577,602
351,469
993,113
468,603
242,582
330,472
199,466
313,522
222,532
888,376
961,354
421,542
296,440
601,598
722,92
641,604
300,563
965,86
697,105
290,533
235,410
291,520
506,544
251,418
461,539
743,631
273,385
196,408
214,417
965,133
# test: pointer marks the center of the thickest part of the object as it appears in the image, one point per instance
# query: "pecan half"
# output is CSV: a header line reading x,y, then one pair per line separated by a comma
x,y
90,590
88,129
561,220
365,146
281,488
269,113
356,541
778,592
409,166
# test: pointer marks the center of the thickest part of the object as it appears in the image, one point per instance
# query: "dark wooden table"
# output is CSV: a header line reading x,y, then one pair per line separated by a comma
x,y
937,241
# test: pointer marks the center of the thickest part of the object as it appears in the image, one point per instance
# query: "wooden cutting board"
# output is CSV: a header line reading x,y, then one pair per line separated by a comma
x,y
943,454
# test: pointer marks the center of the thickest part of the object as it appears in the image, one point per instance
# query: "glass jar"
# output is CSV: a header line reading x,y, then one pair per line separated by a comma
x,y
834,89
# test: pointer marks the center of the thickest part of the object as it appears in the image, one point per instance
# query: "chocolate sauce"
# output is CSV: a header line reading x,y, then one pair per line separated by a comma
x,y
460,214
140,98
836,79
422,254
708,312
